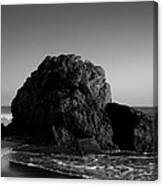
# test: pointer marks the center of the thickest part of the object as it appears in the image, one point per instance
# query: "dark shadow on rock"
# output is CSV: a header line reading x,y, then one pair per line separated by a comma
x,y
132,129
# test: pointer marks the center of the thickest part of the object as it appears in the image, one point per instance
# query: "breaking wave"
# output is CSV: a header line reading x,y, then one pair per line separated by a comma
x,y
6,118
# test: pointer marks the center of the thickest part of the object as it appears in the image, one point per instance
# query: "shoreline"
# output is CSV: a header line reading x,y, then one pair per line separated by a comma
x,y
25,163
23,171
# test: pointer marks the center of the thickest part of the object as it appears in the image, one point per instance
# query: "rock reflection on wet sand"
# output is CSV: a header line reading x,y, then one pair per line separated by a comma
x,y
10,169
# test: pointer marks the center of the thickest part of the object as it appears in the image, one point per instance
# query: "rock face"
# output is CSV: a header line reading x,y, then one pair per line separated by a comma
x,y
132,129
63,102
66,102
89,145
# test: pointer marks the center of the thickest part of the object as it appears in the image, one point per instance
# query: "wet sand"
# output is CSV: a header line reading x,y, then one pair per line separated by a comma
x,y
9,169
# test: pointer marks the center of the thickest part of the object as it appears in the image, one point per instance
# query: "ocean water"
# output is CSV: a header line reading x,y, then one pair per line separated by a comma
x,y
20,159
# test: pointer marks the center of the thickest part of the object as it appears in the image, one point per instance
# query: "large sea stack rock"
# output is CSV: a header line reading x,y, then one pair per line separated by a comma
x,y
62,103
132,129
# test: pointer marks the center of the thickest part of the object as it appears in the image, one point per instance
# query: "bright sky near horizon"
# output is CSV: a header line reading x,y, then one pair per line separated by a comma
x,y
117,36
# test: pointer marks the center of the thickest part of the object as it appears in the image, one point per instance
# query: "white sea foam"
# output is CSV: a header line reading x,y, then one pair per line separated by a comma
x,y
6,118
5,151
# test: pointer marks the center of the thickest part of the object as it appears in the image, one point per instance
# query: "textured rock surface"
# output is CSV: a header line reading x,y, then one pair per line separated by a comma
x,y
132,129
66,102
88,145
62,102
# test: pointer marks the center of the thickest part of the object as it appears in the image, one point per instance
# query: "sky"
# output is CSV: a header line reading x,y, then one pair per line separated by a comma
x,y
117,36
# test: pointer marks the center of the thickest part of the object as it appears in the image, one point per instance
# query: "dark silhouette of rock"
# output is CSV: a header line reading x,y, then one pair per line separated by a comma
x,y
132,129
3,130
66,102
6,130
62,102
